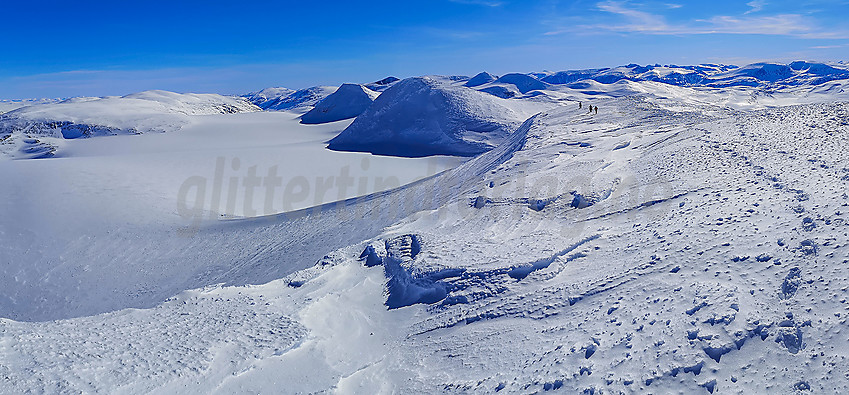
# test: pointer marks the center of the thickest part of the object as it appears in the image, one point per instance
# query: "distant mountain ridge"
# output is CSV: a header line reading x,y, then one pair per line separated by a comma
x,y
283,99
433,115
761,74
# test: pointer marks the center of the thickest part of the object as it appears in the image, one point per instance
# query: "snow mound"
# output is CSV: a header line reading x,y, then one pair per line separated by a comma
x,y
523,82
423,116
481,79
348,101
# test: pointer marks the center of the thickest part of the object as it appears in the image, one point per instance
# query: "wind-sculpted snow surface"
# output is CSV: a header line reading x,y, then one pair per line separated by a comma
x,y
348,101
185,339
424,116
711,259
143,112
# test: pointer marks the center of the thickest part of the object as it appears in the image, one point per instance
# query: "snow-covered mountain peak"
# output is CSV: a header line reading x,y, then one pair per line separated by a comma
x,y
424,116
481,78
348,101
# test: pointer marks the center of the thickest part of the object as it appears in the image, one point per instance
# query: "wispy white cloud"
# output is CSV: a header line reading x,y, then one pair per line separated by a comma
x,y
673,6
639,21
757,6
634,20
782,25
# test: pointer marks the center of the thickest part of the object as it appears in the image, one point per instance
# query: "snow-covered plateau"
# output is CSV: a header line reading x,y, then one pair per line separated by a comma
x,y
461,235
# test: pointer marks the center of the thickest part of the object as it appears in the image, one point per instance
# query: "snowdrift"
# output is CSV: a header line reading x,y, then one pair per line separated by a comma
x,y
348,101
424,116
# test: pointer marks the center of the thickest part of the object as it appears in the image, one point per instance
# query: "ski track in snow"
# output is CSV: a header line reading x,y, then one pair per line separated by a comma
x,y
659,246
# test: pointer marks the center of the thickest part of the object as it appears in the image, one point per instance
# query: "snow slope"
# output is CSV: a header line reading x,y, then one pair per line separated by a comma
x,y
9,105
116,221
425,116
346,102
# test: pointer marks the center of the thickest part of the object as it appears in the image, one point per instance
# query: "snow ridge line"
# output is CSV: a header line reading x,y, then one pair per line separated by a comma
x,y
471,170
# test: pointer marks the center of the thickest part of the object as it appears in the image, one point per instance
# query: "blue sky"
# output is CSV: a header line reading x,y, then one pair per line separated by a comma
x,y
60,48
